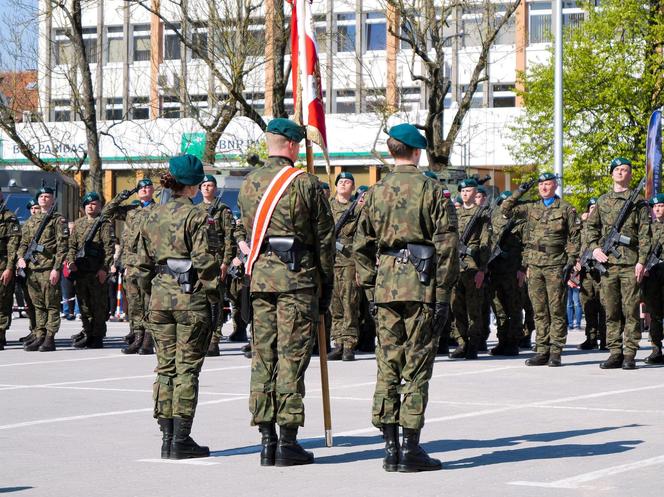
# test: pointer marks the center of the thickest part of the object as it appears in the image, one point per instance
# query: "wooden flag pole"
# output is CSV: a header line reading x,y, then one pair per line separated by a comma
x,y
322,341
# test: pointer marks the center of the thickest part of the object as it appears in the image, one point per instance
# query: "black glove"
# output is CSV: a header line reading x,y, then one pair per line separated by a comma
x,y
325,298
440,315
125,194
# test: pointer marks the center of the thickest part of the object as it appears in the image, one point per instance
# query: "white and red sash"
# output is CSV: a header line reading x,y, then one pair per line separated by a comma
x,y
266,207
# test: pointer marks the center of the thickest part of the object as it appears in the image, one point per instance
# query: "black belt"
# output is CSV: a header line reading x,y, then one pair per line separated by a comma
x,y
265,246
548,249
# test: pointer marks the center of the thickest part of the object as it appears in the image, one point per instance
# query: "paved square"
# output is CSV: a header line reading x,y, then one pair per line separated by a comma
x,y
79,423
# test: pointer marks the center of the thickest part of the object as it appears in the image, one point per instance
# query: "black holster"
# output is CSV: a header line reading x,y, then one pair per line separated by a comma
x,y
182,270
288,249
421,256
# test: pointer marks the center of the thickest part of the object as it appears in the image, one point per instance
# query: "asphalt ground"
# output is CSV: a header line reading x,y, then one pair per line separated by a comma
x,y
79,423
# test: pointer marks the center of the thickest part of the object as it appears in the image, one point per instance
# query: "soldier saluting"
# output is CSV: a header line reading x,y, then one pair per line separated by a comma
x,y
407,262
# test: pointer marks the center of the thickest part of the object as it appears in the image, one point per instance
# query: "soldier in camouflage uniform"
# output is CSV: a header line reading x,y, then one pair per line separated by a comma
x,y
468,295
286,304
593,310
406,223
10,237
654,283
33,208
43,276
344,307
90,272
223,225
178,272
620,284
136,299
551,237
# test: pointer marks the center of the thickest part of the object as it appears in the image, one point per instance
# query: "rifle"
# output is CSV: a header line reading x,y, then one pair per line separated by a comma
x,y
497,249
343,221
464,250
654,257
613,238
34,245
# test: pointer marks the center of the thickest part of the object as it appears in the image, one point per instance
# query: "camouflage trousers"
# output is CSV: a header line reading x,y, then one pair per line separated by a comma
x,y
504,289
217,316
344,307
549,298
45,299
467,304
528,312
6,304
284,327
137,304
181,340
29,308
233,293
593,310
620,295
93,302
407,345
654,296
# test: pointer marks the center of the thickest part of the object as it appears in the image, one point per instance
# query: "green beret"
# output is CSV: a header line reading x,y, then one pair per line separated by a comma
x,y
344,175
504,195
482,190
286,127
31,203
187,169
90,197
620,161
362,189
324,185
408,135
591,201
546,177
45,189
144,182
657,199
209,177
431,174
458,199
468,183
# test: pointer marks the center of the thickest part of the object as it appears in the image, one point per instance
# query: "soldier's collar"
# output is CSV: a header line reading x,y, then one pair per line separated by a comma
x,y
405,168
281,157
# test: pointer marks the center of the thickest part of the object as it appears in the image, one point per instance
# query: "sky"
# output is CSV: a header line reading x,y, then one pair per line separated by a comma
x,y
14,25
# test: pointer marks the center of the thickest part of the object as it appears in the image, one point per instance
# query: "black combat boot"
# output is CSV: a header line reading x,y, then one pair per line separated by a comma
x,y
615,361
443,347
289,452
166,427
459,352
412,457
183,446
629,362
589,344
129,337
238,335
246,350
655,356
94,342
34,344
269,441
391,437
349,353
147,345
506,349
539,359
48,345
554,360
472,349
213,349
336,354
78,336
27,338
82,342
133,347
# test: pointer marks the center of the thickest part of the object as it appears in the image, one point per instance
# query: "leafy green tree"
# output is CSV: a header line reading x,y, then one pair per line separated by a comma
x,y
613,80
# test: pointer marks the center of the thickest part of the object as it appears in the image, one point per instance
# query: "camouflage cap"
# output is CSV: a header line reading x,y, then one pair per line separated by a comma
x,y
409,135
187,169
144,182
90,197
468,183
209,178
45,189
285,127
344,175
620,161
546,176
657,199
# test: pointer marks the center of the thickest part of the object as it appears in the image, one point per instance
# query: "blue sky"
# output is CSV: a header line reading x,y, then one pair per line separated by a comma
x,y
11,16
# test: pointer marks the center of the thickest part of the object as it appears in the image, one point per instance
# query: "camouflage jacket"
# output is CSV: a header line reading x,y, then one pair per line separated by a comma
x,y
636,227
302,212
406,207
342,259
10,237
478,242
551,235
511,258
657,232
101,249
224,225
130,235
176,230
55,240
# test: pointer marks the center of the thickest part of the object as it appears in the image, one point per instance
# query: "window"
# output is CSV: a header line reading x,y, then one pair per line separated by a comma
x,y
345,32
114,111
472,25
540,20
322,33
61,110
503,95
115,49
410,98
90,44
507,34
256,42
199,41
375,31
141,45
345,102
171,108
64,50
376,100
140,108
171,43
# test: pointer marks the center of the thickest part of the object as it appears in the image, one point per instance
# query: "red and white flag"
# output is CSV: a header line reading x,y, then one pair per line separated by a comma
x,y
307,87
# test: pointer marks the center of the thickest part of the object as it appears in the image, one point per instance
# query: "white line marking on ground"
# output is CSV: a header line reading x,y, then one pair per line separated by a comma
x,y
98,389
578,480
96,358
187,462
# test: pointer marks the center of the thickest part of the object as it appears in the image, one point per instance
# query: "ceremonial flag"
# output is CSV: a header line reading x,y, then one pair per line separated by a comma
x,y
654,154
307,87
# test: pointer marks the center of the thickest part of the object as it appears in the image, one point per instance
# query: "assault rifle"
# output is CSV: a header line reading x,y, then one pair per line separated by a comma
x,y
34,247
343,221
614,238
654,257
464,250
497,248
237,272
